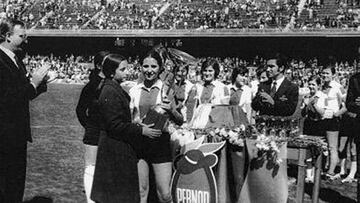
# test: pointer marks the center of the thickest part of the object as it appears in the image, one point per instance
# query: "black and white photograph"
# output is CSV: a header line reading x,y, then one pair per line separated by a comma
x,y
179,101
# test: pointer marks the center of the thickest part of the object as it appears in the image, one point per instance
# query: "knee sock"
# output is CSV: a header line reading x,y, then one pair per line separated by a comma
x,y
343,167
88,180
352,169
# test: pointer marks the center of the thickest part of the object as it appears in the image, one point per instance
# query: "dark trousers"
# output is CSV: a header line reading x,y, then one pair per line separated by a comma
x,y
12,173
357,141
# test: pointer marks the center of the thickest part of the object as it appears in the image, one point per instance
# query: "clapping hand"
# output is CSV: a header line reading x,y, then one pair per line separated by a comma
x,y
351,115
357,101
150,132
267,98
40,73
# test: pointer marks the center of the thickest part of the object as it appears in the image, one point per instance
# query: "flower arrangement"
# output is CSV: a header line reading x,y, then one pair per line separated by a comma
x,y
269,147
276,125
268,136
182,135
317,145
234,136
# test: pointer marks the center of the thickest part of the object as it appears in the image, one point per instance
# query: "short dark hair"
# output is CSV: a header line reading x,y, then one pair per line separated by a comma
x,y
213,63
280,61
111,63
236,71
7,26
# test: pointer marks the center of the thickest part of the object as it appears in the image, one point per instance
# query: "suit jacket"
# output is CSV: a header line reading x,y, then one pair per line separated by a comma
x,y
285,99
15,93
352,94
116,177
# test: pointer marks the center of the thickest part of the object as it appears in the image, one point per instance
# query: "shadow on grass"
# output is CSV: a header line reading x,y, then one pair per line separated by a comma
x,y
329,195
39,199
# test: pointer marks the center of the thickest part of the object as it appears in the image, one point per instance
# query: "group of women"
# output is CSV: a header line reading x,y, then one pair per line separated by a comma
x,y
119,147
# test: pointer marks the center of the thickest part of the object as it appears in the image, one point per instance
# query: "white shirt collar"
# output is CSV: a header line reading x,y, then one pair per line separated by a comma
x,y
8,52
233,86
157,84
279,82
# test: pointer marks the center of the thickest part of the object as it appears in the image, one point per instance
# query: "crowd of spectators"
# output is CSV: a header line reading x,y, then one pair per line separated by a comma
x,y
126,14
340,14
75,69
185,14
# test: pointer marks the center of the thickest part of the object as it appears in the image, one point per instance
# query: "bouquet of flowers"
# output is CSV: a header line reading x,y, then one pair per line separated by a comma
x,y
234,136
276,125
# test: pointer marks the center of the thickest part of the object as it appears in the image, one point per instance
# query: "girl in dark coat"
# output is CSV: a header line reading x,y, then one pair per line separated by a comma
x,y
116,177
88,114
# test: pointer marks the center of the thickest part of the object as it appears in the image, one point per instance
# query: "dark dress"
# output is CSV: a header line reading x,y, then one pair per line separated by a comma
x,y
116,178
87,110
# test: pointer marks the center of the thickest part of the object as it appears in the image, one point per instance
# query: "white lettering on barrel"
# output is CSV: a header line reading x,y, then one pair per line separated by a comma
x,y
192,196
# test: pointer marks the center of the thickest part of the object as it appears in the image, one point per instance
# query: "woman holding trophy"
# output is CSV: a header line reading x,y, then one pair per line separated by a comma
x,y
152,102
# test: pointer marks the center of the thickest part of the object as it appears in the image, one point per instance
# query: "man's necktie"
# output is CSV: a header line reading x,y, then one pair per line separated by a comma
x,y
273,89
21,67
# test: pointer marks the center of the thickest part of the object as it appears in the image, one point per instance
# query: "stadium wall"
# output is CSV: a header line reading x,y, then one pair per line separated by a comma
x,y
196,33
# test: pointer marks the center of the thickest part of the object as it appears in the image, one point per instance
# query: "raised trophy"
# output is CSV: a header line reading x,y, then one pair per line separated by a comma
x,y
157,115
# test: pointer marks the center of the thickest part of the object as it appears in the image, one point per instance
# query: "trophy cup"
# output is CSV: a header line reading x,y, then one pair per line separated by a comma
x,y
158,115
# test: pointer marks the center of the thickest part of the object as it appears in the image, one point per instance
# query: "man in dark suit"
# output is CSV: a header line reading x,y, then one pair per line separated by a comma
x,y
278,98
16,90
353,106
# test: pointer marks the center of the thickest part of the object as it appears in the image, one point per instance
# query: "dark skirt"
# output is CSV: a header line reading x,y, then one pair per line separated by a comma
x,y
331,124
313,128
115,178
